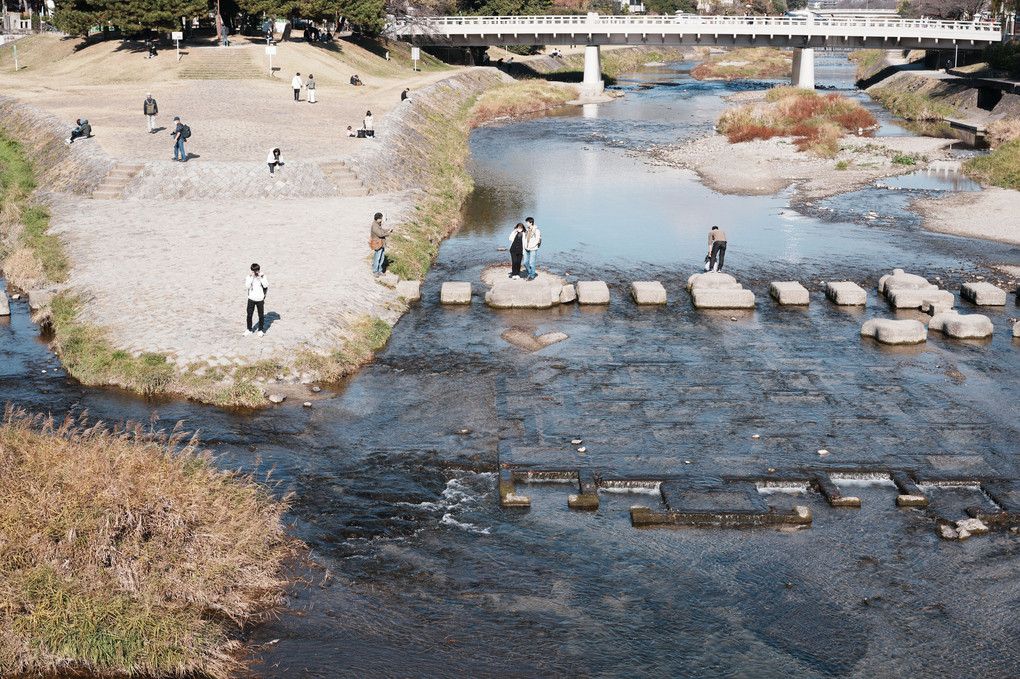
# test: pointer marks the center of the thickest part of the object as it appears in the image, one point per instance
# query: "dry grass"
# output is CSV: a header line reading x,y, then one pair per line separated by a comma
x,y
911,105
1003,131
1001,167
128,552
745,63
816,122
520,98
365,336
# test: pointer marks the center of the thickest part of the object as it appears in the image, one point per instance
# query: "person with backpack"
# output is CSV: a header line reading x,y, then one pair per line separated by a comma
x,y
180,133
532,242
257,285
150,110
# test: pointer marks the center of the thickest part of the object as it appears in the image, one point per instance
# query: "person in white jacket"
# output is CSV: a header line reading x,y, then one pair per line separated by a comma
x,y
532,241
274,160
297,84
257,285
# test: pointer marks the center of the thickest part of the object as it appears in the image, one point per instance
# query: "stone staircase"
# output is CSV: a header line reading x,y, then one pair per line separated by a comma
x,y
219,63
345,179
114,184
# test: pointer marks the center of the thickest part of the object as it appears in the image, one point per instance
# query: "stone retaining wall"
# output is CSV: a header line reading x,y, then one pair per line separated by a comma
x,y
78,168
169,180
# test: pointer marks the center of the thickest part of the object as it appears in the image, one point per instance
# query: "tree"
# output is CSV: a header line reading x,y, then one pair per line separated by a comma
x,y
504,7
796,4
78,16
671,6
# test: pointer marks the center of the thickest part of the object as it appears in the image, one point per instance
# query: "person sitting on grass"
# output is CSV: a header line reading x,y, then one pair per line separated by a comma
x,y
355,80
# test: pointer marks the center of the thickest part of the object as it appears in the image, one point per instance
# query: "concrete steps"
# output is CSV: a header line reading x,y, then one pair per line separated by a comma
x,y
112,187
219,63
344,178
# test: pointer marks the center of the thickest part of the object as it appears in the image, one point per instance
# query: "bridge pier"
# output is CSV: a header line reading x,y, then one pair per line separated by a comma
x,y
592,84
804,68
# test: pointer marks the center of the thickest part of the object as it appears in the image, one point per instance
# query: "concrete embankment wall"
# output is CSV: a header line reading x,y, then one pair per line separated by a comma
x,y
78,168
967,95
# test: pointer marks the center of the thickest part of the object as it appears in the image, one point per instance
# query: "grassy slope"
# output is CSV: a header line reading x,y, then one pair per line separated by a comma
x,y
745,62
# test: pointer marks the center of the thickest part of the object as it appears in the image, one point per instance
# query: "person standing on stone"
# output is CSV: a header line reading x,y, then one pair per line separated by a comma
x,y
378,243
532,242
178,136
310,86
274,160
257,285
296,84
369,124
716,248
151,110
516,251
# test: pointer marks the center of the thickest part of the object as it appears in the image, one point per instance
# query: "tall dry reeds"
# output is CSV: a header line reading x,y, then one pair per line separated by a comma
x,y
519,98
1003,131
126,551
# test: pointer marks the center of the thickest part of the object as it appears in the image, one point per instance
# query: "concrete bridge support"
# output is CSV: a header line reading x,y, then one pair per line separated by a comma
x,y
592,84
803,68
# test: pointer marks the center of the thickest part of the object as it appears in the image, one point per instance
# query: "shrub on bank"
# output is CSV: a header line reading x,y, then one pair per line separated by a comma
x,y
126,552
911,105
1002,131
816,122
1001,167
519,98
745,63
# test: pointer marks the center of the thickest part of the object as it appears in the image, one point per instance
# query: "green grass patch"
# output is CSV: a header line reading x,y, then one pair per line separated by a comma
x,y
904,160
265,369
866,61
842,165
365,336
127,552
911,105
745,63
1001,167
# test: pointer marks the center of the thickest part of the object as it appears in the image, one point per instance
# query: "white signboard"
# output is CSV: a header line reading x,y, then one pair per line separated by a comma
x,y
270,50
415,54
177,35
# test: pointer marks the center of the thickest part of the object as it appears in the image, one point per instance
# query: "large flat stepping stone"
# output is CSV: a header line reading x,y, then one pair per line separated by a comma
x,y
409,290
522,294
961,326
5,306
900,280
983,294
916,299
592,292
890,331
789,293
568,293
711,298
1016,329
455,293
846,293
712,280
648,292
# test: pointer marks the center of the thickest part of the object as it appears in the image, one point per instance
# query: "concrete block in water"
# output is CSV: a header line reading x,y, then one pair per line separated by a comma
x,y
972,526
713,280
455,293
889,331
846,293
789,292
830,492
983,294
592,292
931,307
522,294
583,501
5,306
915,299
1016,329
409,290
37,299
568,294
961,326
711,298
648,292
899,280
507,497
909,494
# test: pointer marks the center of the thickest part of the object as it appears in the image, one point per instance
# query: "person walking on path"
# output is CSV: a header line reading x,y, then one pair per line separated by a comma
x,y
378,243
151,110
310,86
179,135
532,242
257,286
274,160
516,251
716,248
369,124
296,84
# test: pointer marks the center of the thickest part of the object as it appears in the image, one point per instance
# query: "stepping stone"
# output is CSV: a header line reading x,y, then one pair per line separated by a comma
x,y
522,294
969,326
900,280
712,280
648,292
846,293
5,306
890,331
1016,329
789,292
711,298
915,299
568,294
409,290
983,294
592,292
455,293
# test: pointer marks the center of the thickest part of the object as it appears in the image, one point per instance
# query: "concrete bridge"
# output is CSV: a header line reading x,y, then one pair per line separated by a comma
x,y
803,34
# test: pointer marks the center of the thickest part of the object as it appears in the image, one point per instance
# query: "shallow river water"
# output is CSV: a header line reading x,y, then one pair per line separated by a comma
x,y
433,579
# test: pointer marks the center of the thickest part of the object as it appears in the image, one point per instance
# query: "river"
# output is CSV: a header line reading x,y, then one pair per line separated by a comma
x,y
394,477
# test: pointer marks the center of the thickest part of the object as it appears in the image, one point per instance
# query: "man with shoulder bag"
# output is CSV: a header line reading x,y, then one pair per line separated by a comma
x,y
377,241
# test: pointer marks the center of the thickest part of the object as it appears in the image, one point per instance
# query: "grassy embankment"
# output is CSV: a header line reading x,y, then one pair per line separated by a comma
x,y
1001,167
911,105
745,63
866,61
128,553
614,62
815,121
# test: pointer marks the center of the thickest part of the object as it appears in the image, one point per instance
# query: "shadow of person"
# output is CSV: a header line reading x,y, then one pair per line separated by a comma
x,y
270,318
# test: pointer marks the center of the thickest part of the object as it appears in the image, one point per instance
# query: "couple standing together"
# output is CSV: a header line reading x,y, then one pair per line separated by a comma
x,y
525,240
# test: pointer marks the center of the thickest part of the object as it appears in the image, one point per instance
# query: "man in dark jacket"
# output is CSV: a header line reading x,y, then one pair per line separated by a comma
x,y
150,110
178,135
83,129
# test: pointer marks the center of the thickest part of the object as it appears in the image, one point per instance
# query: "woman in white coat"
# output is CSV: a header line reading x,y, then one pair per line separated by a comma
x,y
274,160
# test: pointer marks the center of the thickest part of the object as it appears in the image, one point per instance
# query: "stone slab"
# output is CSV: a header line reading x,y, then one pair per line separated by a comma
x,y
961,326
5,306
1016,329
648,292
592,292
900,280
37,299
915,299
846,293
789,292
568,293
983,293
713,280
409,290
710,298
521,294
455,292
891,331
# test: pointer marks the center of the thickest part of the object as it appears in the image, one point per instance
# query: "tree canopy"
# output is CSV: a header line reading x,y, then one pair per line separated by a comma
x,y
78,16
